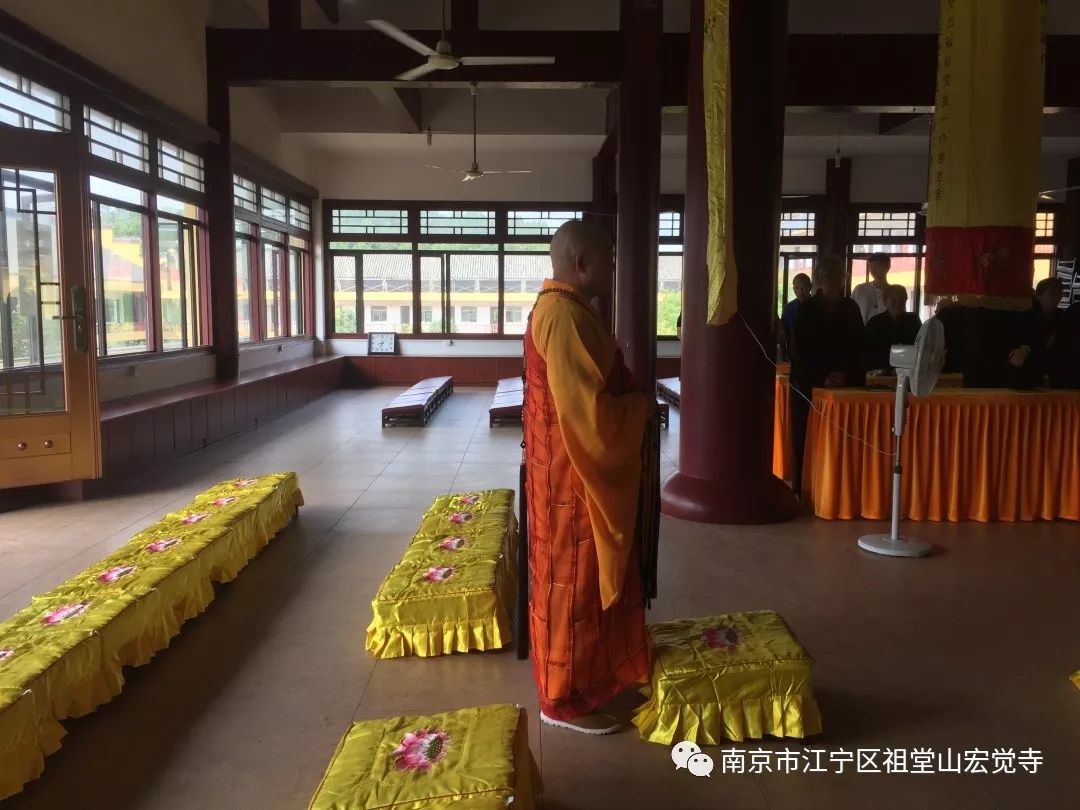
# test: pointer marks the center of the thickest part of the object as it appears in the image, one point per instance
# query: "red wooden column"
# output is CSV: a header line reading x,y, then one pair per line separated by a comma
x,y
638,172
219,209
725,443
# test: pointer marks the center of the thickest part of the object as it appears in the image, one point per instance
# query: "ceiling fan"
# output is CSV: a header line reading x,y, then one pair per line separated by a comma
x,y
475,172
442,57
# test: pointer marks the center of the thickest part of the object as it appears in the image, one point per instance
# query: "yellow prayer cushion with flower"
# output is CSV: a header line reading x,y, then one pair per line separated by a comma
x,y
476,758
728,677
455,584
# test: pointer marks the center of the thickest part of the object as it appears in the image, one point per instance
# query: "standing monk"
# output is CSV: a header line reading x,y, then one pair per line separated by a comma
x,y
584,425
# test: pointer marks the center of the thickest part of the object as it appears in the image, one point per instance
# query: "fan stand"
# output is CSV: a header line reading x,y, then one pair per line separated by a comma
x,y
892,544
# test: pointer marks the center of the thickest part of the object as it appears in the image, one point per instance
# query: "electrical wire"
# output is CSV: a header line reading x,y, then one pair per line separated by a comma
x,y
795,390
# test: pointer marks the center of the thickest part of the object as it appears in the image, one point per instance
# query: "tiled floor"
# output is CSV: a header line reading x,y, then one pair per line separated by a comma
x,y
970,648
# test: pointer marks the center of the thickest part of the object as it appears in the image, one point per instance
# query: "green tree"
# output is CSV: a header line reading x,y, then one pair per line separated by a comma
x,y
668,309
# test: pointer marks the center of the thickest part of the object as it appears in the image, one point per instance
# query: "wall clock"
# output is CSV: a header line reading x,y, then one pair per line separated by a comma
x,y
382,343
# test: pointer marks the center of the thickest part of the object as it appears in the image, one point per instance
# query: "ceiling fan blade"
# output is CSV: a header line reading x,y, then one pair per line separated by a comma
x,y
416,72
1051,192
481,61
443,168
396,33
518,171
469,177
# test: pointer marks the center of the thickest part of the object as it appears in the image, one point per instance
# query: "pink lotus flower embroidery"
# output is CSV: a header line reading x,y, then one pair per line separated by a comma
x,y
420,750
453,544
439,573
461,517
6,653
240,483
115,573
199,517
64,612
225,501
721,638
161,545
468,500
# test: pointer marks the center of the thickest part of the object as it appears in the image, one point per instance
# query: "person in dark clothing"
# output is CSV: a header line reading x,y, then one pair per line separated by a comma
x,y
826,351
1065,362
886,329
800,285
953,323
1044,324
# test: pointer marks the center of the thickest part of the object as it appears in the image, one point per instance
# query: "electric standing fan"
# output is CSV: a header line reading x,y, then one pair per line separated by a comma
x,y
917,369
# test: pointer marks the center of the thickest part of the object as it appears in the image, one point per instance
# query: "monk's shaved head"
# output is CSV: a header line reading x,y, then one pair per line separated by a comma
x,y
581,256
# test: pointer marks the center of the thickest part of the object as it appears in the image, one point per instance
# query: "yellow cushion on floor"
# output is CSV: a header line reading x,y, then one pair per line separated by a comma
x,y
728,677
475,758
455,585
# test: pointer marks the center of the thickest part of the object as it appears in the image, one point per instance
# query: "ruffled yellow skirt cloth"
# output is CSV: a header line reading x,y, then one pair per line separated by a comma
x,y
729,677
62,656
454,587
476,758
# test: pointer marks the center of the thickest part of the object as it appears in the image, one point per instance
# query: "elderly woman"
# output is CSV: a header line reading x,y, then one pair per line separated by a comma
x,y
826,350
893,326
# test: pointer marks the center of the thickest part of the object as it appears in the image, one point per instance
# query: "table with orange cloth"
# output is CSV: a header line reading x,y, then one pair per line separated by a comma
x,y
968,454
781,441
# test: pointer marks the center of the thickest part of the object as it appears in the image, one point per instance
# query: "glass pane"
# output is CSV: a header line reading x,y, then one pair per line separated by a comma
x,y
902,271
522,276
112,139
670,225
345,295
179,208
388,290
296,295
797,224
887,223
178,165
431,291
171,278
193,306
274,205
27,105
245,194
120,239
668,294
272,327
243,290
388,246
799,263
458,223
116,191
474,294
369,220
538,223
31,357
1043,269
457,247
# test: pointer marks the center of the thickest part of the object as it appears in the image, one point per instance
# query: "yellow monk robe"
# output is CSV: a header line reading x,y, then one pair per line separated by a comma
x,y
584,425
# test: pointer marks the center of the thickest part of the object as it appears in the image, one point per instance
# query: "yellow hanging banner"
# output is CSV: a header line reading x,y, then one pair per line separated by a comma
x,y
720,254
985,167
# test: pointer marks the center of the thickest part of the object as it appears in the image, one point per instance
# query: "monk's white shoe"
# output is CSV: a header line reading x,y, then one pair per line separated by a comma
x,y
594,724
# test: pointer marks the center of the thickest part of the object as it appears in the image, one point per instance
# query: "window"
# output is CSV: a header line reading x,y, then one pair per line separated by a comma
x,y
1044,225
179,284
120,241
388,283
245,194
405,314
889,224
474,282
458,223
905,269
537,223
513,315
296,292
668,294
377,314
346,275
299,215
797,225
273,205
1045,259
245,286
468,314
425,315
369,221
177,165
670,225
431,293
27,105
113,140
273,295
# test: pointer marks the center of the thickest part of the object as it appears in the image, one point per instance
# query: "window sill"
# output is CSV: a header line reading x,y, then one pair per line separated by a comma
x,y
252,346
426,336
144,358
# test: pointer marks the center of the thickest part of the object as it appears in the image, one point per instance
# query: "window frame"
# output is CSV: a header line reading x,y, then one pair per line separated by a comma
x,y
419,244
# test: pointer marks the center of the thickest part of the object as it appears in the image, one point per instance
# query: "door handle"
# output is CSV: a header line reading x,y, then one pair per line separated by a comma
x,y
77,316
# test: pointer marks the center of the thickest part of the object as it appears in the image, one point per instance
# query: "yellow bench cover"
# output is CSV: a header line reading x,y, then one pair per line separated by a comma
x,y
455,584
475,758
62,655
727,677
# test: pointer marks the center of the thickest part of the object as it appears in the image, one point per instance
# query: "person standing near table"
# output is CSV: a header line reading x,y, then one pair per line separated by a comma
x,y
800,285
892,327
827,351
870,295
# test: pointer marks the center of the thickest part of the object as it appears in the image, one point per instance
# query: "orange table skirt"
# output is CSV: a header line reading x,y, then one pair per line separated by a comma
x,y
969,454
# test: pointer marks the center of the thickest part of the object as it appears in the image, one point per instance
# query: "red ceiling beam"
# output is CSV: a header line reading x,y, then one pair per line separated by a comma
x,y
824,71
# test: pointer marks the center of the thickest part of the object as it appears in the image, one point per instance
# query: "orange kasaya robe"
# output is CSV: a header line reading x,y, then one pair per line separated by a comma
x,y
584,425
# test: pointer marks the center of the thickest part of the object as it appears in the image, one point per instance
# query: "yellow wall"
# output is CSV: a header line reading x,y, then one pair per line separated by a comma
x,y
156,45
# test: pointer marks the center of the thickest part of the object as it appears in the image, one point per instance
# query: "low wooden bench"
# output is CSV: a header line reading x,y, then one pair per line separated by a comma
x,y
669,389
508,400
419,403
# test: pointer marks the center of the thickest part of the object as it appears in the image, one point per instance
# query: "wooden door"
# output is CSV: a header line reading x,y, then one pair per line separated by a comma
x,y
49,424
